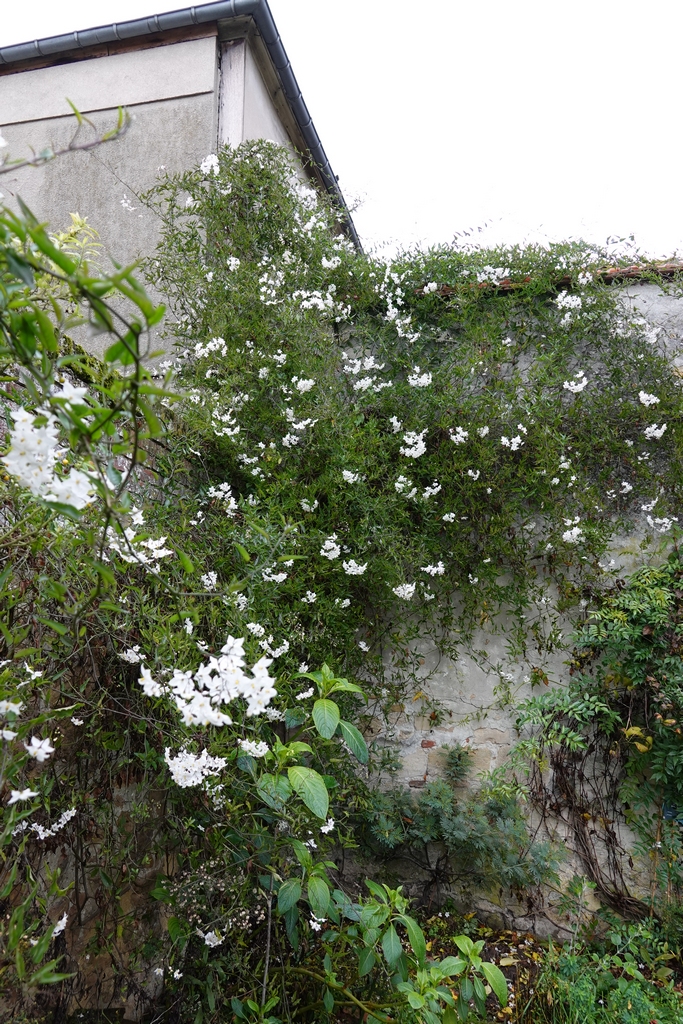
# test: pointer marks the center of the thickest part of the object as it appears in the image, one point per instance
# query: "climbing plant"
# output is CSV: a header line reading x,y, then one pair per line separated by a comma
x,y
337,462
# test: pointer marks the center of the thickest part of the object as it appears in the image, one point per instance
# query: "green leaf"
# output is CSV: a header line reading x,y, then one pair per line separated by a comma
x,y
328,1000
496,980
289,895
415,936
366,961
345,686
318,896
243,552
391,945
416,1000
378,891
326,717
449,1016
274,790
354,741
184,561
451,966
175,929
311,788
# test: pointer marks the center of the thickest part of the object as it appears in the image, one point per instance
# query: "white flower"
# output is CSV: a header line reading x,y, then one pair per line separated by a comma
x,y
273,577
309,506
482,431
191,769
363,646
507,342
159,971
349,477
566,301
21,794
654,432
573,536
434,570
492,275
352,568
576,386
430,287
255,749
513,443
132,655
459,436
414,444
343,603
585,277
472,579
303,385
210,164
474,473
646,399
328,826
419,380
8,735
290,440
396,424
256,629
209,580
10,707
303,667
626,487
449,517
429,492
150,688
330,548
60,926
331,264
310,598
212,939
233,263
40,749
405,591
555,480
305,694
188,626
77,721
661,524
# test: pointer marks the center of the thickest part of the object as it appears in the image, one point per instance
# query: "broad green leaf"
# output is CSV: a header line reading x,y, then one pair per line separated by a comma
x,y
415,936
449,1016
345,686
464,944
328,1000
274,790
416,1000
366,961
184,561
451,966
391,945
288,895
496,980
326,717
354,741
377,890
311,788
318,896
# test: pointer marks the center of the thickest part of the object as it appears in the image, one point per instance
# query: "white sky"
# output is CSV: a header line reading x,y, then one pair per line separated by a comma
x,y
538,118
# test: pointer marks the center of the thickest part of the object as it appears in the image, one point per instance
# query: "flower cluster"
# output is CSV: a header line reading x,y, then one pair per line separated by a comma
x,y
199,695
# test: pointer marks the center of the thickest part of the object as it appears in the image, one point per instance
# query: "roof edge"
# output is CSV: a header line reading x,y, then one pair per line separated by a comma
x,y
223,10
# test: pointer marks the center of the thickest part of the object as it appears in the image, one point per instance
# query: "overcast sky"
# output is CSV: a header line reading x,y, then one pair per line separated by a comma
x,y
537,118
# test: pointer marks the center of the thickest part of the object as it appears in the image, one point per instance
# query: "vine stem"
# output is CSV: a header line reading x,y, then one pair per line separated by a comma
x,y
264,986
349,995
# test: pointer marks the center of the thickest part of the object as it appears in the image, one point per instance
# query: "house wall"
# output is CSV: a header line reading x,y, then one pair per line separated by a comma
x,y
184,100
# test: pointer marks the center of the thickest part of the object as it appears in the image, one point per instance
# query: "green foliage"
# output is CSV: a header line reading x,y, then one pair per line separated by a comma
x,y
273,497
486,840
